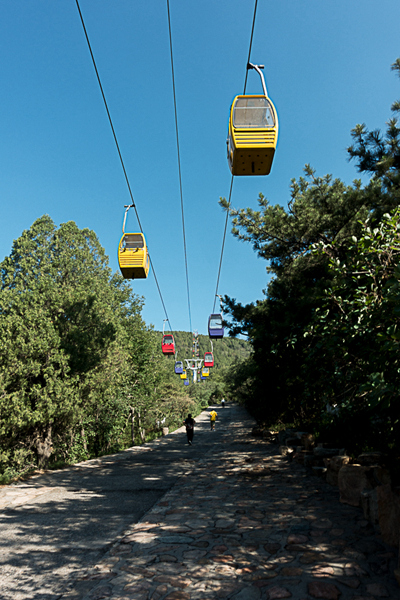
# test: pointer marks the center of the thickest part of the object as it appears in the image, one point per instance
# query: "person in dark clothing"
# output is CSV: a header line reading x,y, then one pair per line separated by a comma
x,y
189,423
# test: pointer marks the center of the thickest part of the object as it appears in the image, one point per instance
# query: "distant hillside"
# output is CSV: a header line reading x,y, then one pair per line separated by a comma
x,y
226,350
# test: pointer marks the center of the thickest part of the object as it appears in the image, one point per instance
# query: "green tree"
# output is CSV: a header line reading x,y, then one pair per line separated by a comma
x,y
324,211
357,332
157,398
60,308
379,155
320,209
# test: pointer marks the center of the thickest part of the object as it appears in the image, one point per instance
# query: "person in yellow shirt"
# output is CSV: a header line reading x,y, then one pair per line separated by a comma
x,y
213,418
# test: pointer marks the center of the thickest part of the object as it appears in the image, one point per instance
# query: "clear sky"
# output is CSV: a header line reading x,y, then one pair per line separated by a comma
x,y
327,68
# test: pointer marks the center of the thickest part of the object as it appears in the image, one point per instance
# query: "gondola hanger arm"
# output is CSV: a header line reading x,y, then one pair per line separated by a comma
x,y
127,207
258,69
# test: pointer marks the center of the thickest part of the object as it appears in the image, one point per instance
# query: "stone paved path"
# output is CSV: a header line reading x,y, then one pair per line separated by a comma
x,y
244,524
62,522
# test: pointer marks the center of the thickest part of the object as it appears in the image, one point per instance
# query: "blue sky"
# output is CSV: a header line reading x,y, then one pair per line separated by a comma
x,y
327,68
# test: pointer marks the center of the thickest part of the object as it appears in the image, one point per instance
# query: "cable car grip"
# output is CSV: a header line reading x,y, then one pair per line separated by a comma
x,y
251,66
258,69
127,207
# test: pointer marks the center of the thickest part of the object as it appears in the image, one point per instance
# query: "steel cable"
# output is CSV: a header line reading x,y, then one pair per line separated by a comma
x,y
179,162
231,187
120,154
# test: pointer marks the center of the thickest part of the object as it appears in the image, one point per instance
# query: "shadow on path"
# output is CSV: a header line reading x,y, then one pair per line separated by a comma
x,y
225,518
64,521
245,524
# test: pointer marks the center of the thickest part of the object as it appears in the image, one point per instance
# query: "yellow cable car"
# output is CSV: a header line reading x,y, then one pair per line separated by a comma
x,y
205,371
183,375
253,132
133,255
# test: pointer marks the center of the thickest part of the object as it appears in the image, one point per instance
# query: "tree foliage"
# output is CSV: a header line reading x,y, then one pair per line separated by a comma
x,y
355,332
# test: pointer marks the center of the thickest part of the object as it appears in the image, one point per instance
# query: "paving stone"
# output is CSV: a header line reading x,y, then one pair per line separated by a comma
x,y
121,549
278,592
272,548
322,524
325,591
178,595
291,572
201,544
297,539
227,590
203,572
378,590
351,582
103,591
170,568
339,542
138,570
159,592
310,558
169,558
140,538
138,587
225,558
220,548
194,554
326,571
248,593
296,548
176,539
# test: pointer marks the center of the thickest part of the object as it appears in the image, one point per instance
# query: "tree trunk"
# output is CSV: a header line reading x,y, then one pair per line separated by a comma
x,y
141,430
83,435
132,418
44,446
142,433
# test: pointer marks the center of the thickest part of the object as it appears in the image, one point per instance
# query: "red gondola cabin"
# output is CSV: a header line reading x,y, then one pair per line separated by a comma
x,y
168,344
208,359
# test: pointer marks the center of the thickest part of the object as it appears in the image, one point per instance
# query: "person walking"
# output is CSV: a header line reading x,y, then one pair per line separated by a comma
x,y
213,418
189,423
223,402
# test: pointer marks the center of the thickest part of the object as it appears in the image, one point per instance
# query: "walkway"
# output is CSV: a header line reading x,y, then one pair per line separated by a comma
x,y
62,522
241,523
246,525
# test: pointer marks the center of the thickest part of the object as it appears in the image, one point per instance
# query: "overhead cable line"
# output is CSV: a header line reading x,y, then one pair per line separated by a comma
x,y
179,163
133,205
231,187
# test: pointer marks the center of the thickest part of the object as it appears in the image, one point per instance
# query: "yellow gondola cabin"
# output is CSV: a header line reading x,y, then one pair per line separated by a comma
x,y
133,256
253,133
